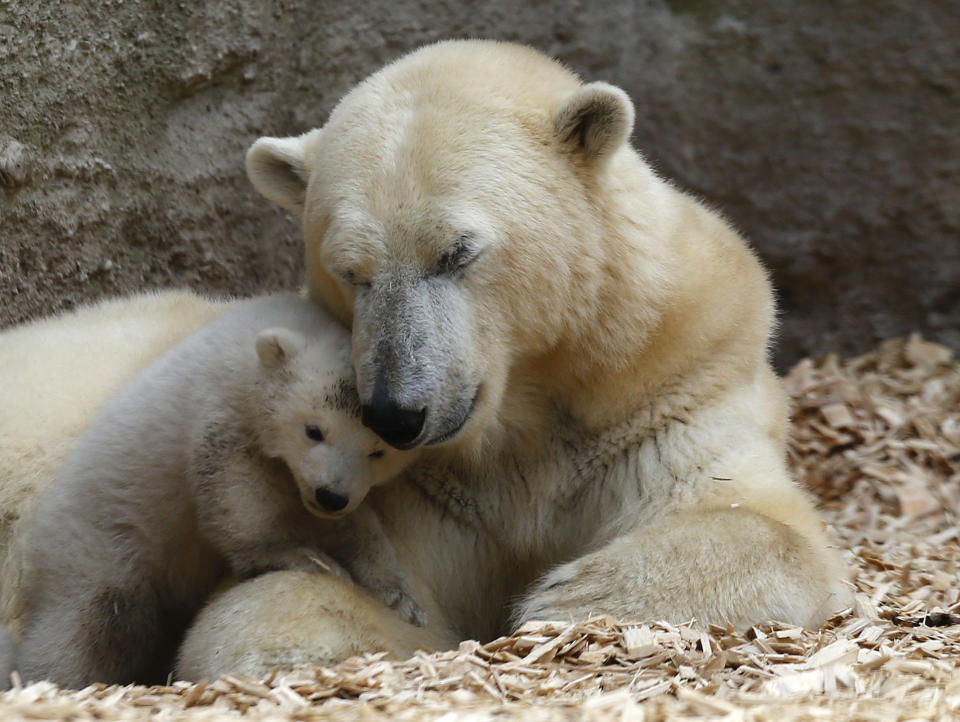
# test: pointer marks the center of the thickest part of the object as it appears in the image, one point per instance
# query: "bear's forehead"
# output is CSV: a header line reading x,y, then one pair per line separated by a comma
x,y
430,183
465,74
410,153
357,232
444,109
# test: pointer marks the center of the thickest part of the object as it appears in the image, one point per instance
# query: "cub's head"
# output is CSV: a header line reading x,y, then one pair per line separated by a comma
x,y
310,421
451,212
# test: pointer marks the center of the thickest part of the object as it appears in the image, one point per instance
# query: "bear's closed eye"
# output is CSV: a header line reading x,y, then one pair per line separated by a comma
x,y
462,254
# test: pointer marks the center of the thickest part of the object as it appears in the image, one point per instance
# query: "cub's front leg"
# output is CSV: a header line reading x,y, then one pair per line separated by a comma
x,y
362,546
715,565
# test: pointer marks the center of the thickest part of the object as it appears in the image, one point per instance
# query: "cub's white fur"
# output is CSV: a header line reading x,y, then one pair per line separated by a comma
x,y
59,370
193,470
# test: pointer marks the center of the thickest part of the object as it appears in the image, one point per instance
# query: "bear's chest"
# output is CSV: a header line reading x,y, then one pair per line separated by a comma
x,y
546,504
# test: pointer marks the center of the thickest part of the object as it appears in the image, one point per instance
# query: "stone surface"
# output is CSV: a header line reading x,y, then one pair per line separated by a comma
x,y
828,132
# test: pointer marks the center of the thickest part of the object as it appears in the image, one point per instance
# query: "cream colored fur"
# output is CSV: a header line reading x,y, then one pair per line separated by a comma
x,y
56,374
324,613
590,347
624,452
216,459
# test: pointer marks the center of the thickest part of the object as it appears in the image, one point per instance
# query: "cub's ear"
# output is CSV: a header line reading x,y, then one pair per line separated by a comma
x,y
595,120
276,346
277,167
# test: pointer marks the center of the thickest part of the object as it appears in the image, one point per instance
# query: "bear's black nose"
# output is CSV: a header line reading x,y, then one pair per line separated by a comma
x,y
330,500
395,425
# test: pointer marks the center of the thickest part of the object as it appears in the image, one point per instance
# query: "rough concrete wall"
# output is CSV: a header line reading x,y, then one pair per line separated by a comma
x,y
829,132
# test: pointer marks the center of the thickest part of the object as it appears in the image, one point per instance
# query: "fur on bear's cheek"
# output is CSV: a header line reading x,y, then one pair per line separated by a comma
x,y
322,285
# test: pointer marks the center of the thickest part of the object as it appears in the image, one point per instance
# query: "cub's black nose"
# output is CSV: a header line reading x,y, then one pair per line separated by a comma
x,y
331,501
397,426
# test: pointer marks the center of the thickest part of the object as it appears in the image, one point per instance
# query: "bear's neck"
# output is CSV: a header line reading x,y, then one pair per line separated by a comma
x,y
684,312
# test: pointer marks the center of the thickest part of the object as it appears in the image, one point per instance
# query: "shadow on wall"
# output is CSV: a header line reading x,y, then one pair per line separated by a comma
x,y
827,132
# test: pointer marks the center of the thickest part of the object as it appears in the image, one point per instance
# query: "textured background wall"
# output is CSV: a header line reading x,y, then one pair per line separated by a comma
x,y
829,132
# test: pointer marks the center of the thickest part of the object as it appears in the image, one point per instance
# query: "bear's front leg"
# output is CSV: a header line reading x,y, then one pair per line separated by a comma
x,y
283,619
716,566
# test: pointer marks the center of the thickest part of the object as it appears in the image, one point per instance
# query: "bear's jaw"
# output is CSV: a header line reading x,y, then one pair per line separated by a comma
x,y
456,426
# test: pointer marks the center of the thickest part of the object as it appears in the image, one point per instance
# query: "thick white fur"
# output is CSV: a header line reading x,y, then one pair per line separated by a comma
x,y
611,436
324,613
192,470
56,374
624,450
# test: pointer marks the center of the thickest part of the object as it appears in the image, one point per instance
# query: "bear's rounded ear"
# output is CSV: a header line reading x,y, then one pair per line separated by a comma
x,y
595,120
276,346
277,167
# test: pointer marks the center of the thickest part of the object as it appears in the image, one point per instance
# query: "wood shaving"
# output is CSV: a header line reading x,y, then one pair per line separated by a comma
x,y
876,438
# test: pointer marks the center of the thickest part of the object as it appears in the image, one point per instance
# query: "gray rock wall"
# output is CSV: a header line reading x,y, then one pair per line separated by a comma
x,y
829,132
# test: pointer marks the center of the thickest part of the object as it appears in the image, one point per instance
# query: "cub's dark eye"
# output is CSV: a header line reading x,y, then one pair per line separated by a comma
x,y
459,256
313,432
377,454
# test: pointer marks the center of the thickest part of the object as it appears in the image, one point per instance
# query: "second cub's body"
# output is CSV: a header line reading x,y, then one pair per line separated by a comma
x,y
193,471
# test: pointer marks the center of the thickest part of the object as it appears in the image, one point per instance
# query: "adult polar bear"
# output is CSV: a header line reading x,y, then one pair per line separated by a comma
x,y
582,347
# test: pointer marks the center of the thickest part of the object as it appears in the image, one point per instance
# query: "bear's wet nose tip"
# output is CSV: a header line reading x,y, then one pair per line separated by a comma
x,y
331,501
397,426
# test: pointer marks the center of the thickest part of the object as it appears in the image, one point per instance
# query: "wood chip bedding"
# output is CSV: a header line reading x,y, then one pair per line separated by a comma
x,y
876,437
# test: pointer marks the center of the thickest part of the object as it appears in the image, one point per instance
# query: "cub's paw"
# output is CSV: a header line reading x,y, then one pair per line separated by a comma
x,y
398,598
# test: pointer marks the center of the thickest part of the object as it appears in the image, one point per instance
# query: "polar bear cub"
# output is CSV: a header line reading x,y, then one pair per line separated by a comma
x,y
217,458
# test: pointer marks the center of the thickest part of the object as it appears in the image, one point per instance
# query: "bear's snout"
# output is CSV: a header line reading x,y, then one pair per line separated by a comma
x,y
330,500
397,426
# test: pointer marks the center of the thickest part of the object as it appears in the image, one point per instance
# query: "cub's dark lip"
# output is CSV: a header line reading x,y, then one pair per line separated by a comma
x,y
446,436
316,510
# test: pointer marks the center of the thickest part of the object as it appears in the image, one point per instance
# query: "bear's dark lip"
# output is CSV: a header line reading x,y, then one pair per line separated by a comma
x,y
446,436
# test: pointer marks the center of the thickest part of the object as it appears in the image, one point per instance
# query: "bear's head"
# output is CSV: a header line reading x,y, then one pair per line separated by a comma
x,y
309,419
453,212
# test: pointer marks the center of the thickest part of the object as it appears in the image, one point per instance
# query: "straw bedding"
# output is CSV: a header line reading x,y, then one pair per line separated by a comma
x,y
877,438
